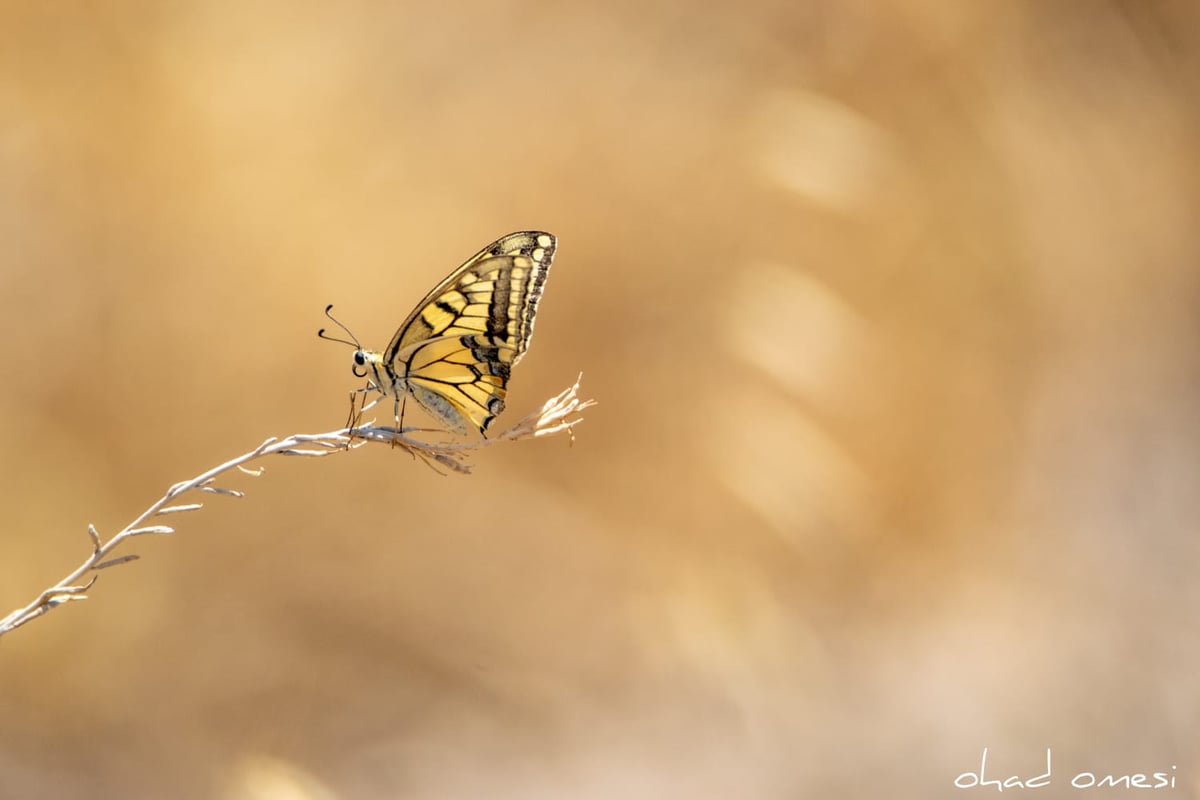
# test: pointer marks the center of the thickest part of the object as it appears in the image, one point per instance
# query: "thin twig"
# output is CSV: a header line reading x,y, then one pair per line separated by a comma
x,y
551,419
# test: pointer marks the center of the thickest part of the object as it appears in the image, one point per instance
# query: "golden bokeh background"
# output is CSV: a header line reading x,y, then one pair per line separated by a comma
x,y
891,310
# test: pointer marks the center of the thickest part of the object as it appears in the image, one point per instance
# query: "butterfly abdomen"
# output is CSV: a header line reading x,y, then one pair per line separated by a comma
x,y
441,409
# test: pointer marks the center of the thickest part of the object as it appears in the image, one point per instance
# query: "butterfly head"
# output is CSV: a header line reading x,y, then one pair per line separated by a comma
x,y
366,362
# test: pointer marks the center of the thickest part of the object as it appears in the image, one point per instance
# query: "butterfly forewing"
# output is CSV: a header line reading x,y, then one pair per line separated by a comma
x,y
495,292
455,351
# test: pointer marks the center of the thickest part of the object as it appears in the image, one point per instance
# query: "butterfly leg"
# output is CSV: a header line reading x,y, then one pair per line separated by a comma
x,y
396,413
352,419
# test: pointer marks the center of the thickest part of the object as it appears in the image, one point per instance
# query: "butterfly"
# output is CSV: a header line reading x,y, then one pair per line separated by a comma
x,y
455,352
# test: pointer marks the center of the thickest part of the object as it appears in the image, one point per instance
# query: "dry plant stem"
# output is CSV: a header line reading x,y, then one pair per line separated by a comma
x,y
67,589
551,419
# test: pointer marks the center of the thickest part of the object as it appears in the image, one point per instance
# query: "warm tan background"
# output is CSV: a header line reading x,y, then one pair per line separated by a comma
x,y
891,309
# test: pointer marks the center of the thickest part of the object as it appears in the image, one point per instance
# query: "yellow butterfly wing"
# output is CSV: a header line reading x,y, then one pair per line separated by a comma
x,y
455,352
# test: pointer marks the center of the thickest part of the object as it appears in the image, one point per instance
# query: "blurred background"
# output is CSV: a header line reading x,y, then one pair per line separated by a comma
x,y
891,310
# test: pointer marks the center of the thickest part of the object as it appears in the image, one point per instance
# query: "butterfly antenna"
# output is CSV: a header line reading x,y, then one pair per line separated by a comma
x,y
353,341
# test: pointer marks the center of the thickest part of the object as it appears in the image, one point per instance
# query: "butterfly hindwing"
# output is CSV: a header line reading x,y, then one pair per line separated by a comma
x,y
458,379
455,352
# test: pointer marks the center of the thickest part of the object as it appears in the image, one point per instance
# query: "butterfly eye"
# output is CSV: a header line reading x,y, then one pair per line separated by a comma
x,y
360,361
